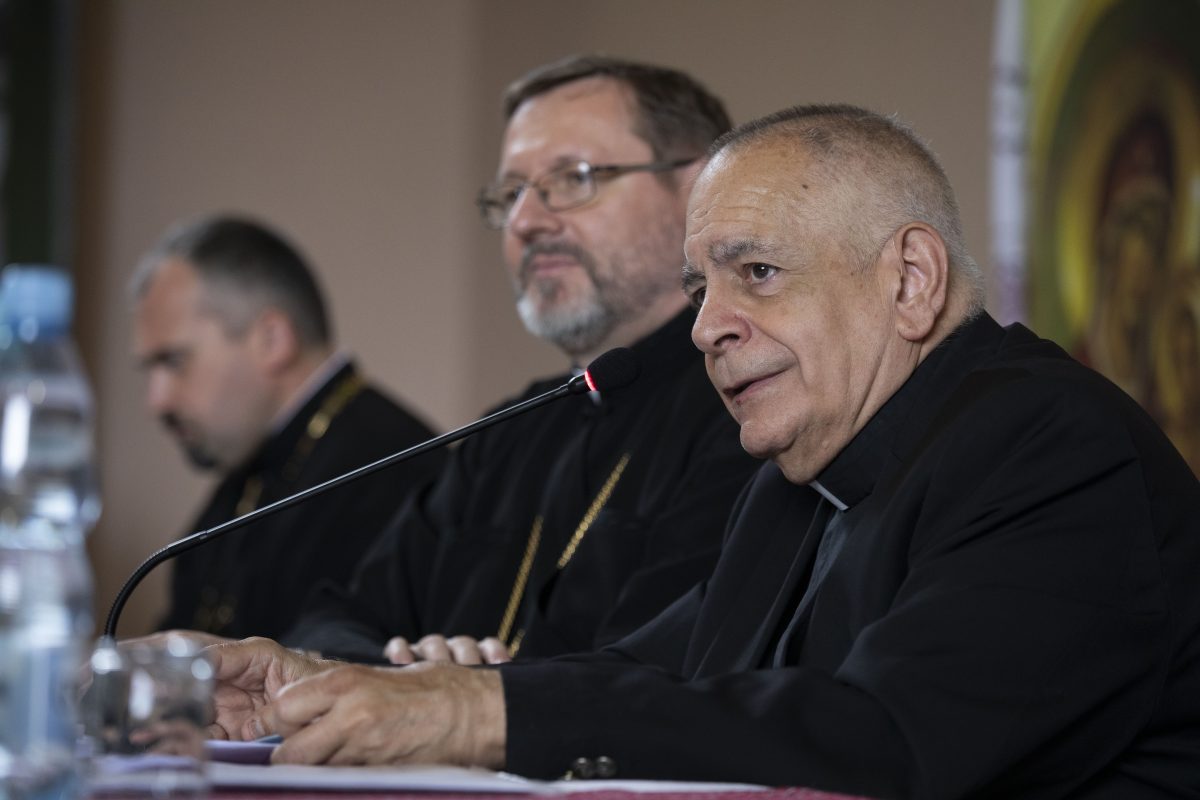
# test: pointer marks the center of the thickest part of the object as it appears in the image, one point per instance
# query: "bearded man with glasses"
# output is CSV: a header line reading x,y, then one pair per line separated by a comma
x,y
566,529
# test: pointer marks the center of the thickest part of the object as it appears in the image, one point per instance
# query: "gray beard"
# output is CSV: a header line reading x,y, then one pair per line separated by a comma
x,y
582,326
576,330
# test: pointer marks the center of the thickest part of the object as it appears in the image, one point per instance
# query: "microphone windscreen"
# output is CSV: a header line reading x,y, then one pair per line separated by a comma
x,y
612,370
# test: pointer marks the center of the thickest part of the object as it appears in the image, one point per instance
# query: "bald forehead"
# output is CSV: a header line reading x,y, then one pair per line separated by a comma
x,y
835,157
864,160
777,179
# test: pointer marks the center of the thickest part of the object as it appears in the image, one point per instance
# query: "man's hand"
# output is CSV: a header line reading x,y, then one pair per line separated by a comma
x,y
426,713
458,650
248,675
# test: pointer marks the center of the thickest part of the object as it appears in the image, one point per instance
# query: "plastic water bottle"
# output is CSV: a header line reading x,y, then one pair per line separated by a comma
x,y
48,502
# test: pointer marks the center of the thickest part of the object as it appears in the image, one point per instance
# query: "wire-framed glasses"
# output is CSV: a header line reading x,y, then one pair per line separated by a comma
x,y
560,189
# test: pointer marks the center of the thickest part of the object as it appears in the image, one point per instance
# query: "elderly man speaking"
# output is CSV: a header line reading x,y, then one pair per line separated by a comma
x,y
969,570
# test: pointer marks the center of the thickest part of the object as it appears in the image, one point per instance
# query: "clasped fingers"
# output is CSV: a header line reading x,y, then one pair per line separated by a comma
x,y
464,650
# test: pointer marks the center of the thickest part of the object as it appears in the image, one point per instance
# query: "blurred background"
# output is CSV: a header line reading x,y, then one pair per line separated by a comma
x,y
363,129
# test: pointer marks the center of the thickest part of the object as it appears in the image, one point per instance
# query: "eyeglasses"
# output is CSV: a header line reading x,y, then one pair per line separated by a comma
x,y
566,187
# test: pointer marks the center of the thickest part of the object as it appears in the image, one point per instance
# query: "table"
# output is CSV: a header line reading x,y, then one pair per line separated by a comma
x,y
785,793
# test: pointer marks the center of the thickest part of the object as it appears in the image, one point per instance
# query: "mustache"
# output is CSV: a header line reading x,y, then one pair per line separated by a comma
x,y
583,257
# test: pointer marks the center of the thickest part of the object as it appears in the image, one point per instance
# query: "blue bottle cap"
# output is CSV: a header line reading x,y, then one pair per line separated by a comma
x,y
35,300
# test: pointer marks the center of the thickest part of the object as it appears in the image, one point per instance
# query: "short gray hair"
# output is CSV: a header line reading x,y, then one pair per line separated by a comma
x,y
240,258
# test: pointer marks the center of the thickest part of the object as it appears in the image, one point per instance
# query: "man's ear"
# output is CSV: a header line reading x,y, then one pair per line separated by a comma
x,y
275,341
924,278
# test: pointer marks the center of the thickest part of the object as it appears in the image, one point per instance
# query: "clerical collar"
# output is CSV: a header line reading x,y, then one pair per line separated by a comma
x,y
314,383
828,495
884,441
280,445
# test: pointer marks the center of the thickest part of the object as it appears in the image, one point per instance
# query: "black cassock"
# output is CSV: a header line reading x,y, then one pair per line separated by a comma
x,y
560,530
253,581
1008,606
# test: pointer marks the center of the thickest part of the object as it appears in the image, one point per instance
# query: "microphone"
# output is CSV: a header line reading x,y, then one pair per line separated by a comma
x,y
611,370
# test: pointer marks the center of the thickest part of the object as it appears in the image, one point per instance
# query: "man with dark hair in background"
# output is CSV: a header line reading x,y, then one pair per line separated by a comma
x,y
233,335
567,528
968,570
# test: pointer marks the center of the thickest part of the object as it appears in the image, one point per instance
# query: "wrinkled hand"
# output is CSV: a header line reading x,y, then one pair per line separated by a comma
x,y
427,713
457,650
248,675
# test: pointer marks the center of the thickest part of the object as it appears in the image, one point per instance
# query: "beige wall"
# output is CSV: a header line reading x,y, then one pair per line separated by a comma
x,y
364,127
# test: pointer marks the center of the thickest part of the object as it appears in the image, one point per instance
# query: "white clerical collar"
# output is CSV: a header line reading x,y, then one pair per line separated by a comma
x,y
312,384
828,495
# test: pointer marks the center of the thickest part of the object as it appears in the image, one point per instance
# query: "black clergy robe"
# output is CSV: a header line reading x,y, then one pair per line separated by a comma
x,y
1008,607
253,581
559,530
